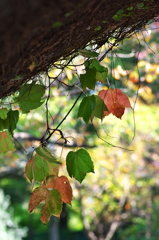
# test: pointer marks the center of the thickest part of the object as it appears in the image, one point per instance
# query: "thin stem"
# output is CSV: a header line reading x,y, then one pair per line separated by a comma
x,y
63,118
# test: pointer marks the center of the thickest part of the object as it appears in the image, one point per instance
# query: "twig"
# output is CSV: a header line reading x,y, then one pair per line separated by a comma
x,y
56,129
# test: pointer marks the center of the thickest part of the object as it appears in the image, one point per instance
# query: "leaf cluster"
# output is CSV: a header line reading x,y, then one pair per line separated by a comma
x,y
43,167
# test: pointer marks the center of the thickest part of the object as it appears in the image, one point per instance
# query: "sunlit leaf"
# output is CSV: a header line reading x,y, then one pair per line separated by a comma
x,y
115,100
62,185
86,107
30,96
87,53
44,152
79,163
149,78
38,168
101,76
51,200
3,113
6,142
100,108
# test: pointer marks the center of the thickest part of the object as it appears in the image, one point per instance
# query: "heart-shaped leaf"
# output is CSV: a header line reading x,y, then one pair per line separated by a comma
x,y
86,107
79,163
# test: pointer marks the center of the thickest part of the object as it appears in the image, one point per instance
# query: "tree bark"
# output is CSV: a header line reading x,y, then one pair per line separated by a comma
x,y
35,34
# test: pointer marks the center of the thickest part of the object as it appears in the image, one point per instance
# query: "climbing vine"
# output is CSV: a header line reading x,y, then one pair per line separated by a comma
x,y
43,167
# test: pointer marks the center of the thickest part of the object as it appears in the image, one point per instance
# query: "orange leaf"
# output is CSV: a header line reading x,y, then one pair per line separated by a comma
x,y
115,100
118,110
62,185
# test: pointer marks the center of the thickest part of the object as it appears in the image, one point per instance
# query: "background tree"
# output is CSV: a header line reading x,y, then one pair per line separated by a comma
x,y
53,79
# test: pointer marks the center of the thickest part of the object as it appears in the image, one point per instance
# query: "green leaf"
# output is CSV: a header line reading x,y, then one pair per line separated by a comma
x,y
87,53
130,14
38,168
30,96
10,122
101,71
98,28
120,11
3,113
13,117
88,79
94,72
100,107
44,152
53,206
6,142
101,77
57,24
86,107
104,21
130,8
94,63
140,5
118,17
78,164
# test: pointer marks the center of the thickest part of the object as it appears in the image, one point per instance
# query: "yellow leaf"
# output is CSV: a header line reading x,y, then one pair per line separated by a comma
x,y
141,63
149,78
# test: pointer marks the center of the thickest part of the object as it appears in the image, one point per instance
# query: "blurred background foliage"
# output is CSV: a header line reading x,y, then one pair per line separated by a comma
x,y
121,200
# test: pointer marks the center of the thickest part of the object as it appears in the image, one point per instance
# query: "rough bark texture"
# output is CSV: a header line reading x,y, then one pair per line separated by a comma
x,y
29,44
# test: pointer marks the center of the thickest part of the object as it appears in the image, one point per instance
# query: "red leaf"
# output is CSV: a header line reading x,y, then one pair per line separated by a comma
x,y
51,200
62,185
38,195
115,100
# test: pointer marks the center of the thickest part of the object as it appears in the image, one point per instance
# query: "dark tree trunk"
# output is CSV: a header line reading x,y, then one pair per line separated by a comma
x,y
35,34
54,229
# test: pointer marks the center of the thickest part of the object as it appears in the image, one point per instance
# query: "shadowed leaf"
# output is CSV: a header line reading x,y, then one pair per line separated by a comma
x,y
30,96
100,108
86,107
10,122
88,79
